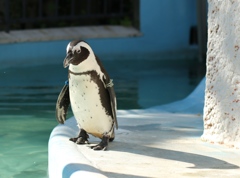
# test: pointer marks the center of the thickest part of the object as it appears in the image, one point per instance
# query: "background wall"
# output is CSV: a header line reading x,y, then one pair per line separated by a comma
x,y
165,26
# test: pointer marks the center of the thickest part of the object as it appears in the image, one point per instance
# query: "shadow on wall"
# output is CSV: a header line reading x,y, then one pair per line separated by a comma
x,y
199,161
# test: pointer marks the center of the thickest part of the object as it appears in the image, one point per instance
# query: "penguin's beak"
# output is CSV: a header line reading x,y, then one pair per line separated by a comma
x,y
67,60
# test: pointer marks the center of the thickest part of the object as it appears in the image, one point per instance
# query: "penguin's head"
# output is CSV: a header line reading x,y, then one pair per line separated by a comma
x,y
77,52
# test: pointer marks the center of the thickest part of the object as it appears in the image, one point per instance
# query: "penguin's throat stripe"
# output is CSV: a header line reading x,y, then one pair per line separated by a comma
x,y
78,73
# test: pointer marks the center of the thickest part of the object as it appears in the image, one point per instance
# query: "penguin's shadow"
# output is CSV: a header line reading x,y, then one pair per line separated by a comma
x,y
123,144
199,161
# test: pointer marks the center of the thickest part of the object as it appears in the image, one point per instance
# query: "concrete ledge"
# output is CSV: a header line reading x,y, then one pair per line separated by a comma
x,y
68,33
149,143
65,158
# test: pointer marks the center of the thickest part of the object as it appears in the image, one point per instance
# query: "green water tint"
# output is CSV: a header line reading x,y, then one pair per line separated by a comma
x,y
28,96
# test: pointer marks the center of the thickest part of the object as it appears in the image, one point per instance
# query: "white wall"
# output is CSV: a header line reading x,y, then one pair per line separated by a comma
x,y
222,94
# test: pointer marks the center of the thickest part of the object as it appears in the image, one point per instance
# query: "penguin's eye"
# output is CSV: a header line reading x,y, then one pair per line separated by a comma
x,y
78,51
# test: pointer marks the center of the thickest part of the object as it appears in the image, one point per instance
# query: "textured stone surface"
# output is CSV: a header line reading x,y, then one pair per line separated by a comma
x,y
222,94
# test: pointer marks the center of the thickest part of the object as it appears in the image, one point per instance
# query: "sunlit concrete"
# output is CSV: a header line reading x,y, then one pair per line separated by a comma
x,y
156,142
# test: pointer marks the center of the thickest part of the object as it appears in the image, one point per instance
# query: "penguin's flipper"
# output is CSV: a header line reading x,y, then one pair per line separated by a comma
x,y
109,85
62,104
113,101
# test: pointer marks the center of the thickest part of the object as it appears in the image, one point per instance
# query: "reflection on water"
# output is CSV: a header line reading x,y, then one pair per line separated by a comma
x,y
28,96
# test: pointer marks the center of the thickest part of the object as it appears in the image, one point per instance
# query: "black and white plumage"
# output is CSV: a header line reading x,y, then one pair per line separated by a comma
x,y
91,94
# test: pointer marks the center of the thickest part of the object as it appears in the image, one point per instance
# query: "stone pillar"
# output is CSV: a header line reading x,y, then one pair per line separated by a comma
x,y
222,94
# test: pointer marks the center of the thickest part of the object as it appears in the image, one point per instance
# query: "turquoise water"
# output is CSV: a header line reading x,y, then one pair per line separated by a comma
x,y
28,96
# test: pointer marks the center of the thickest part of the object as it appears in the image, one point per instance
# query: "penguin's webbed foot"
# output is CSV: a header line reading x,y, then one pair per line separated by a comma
x,y
82,138
102,145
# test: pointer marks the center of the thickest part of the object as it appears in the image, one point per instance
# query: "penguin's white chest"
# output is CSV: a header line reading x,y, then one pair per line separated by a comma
x,y
87,106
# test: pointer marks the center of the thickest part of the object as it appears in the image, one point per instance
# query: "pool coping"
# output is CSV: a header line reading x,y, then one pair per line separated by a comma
x,y
172,149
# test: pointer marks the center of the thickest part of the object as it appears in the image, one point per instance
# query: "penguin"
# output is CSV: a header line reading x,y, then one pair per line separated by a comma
x,y
89,90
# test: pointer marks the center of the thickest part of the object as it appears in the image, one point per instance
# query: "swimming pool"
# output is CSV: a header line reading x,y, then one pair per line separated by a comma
x,y
28,96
